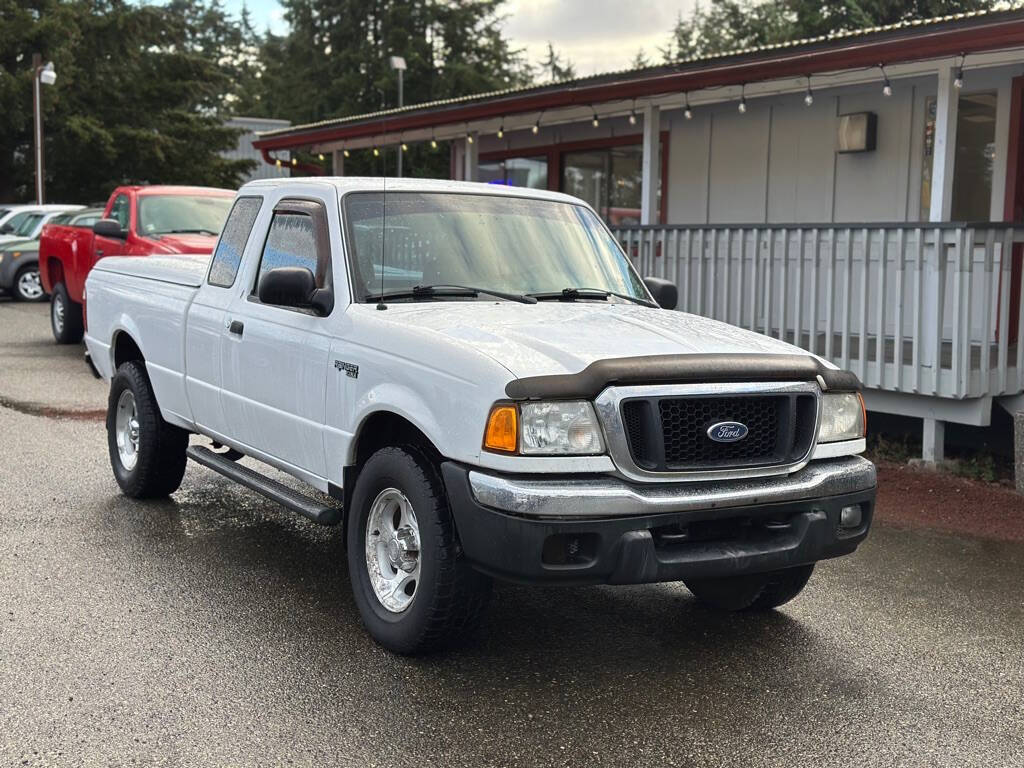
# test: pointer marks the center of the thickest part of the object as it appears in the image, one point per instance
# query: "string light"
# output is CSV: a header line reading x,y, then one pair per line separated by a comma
x,y
742,107
405,147
295,161
595,122
632,114
345,152
277,162
501,129
321,157
809,96
687,112
433,140
376,152
886,85
535,129
958,81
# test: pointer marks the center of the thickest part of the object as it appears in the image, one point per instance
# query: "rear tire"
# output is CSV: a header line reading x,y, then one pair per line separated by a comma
x,y
414,589
146,453
65,317
27,286
751,592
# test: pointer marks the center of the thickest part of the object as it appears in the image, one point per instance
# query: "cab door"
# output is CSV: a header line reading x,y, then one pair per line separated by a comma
x,y
120,211
206,327
275,358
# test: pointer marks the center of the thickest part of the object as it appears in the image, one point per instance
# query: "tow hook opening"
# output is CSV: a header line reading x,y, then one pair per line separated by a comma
x,y
572,550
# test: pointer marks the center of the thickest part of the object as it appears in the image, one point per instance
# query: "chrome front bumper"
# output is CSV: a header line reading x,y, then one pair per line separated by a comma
x,y
579,497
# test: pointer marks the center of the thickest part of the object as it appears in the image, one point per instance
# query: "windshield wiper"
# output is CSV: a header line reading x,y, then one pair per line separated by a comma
x,y
447,290
186,232
572,294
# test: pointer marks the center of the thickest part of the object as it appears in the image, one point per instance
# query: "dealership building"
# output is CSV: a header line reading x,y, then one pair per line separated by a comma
x,y
853,194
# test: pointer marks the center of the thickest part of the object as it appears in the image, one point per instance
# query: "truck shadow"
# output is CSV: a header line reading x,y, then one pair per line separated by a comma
x,y
625,656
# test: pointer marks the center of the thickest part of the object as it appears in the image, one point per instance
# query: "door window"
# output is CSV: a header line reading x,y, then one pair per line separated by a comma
x,y
232,242
297,238
121,211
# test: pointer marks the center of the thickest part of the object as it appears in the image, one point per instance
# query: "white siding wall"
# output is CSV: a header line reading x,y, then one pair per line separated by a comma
x,y
778,162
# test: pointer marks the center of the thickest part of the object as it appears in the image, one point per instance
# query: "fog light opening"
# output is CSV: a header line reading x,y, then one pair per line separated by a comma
x,y
851,516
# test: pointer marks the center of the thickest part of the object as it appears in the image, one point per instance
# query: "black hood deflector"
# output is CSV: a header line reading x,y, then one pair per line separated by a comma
x,y
680,369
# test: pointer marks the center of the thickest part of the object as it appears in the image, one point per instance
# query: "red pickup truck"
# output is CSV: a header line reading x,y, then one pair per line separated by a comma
x,y
137,221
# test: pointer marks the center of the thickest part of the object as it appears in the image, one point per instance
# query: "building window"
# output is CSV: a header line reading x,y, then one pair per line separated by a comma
x,y
531,172
610,180
975,157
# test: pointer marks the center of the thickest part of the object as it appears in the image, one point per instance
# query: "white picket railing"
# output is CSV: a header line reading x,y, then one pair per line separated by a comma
x,y
909,308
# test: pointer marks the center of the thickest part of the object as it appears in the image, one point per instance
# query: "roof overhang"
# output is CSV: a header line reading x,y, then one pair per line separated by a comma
x,y
914,41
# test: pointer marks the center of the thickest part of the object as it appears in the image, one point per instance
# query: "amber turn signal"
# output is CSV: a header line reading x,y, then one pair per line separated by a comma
x,y
502,429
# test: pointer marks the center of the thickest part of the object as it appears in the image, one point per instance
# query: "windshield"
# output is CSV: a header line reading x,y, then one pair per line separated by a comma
x,y
509,244
24,229
168,214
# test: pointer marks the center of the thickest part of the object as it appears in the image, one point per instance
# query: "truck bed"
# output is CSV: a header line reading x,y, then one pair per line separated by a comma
x,y
148,299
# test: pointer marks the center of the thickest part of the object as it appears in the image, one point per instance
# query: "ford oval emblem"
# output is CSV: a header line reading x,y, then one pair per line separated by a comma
x,y
727,431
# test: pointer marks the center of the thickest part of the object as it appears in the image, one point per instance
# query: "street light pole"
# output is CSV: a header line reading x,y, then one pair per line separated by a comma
x,y
398,63
40,75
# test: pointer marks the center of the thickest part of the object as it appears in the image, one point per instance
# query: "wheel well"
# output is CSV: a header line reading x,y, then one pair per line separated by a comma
x,y
380,430
385,428
55,271
125,350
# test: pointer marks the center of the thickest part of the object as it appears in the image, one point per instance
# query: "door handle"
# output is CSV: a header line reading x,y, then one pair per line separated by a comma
x,y
236,327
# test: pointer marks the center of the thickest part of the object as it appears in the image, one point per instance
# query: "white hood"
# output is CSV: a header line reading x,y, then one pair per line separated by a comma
x,y
558,338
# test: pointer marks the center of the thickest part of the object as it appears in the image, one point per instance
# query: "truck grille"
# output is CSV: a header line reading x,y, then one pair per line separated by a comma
x,y
670,434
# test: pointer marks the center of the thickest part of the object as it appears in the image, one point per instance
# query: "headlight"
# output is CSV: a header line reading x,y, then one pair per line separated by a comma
x,y
842,417
544,429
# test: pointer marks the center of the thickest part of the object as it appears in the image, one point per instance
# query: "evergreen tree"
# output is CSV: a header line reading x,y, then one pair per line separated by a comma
x,y
140,96
334,61
555,68
727,25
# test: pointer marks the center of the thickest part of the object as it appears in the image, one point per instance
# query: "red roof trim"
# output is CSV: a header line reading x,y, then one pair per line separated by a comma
x,y
912,44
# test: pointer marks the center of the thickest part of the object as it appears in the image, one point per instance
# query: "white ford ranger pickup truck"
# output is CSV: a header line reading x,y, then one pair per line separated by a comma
x,y
480,385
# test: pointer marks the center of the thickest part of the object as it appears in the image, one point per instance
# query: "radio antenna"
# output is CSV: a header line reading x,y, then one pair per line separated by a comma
x,y
384,196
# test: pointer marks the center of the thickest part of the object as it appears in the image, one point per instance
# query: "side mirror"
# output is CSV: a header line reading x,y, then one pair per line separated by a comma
x,y
294,287
6,229
663,291
109,228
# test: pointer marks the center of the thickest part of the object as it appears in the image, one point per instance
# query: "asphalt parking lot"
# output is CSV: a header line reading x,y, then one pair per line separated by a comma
x,y
218,629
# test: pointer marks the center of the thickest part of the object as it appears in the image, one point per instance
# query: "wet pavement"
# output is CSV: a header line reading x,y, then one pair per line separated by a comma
x,y
218,629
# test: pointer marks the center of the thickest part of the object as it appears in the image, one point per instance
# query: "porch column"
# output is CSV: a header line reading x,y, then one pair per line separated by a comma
x,y
470,157
338,162
651,168
944,149
939,210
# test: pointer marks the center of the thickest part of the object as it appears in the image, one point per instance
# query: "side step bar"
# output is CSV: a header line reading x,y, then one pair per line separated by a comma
x,y
282,494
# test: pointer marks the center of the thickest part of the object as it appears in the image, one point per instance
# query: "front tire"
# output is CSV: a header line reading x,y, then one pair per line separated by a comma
x,y
414,590
751,592
65,317
27,286
146,453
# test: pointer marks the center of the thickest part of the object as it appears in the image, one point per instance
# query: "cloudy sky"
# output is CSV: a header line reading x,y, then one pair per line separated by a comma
x,y
596,35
